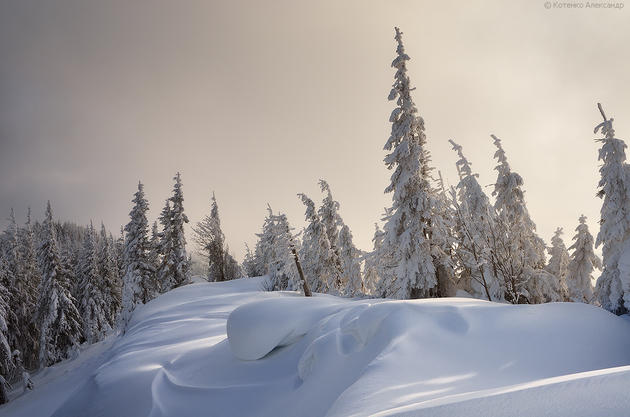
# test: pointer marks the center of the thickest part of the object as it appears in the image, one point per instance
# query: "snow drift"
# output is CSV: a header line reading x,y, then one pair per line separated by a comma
x,y
325,356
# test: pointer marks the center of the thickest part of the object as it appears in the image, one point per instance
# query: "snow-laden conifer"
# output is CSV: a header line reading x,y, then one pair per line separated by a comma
x,y
263,252
519,254
138,281
165,269
231,266
341,244
474,216
181,271
250,266
374,262
613,286
15,283
442,240
582,262
32,280
57,315
282,251
322,266
350,263
7,366
558,266
155,256
93,302
209,237
110,275
407,223
328,213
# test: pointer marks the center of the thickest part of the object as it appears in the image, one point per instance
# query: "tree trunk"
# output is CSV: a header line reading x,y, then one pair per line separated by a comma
x,y
307,290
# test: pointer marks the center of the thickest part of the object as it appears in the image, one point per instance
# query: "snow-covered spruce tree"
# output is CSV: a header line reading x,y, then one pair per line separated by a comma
x,y
110,275
210,238
407,225
32,280
322,266
582,262
180,275
7,366
374,264
474,217
119,250
165,249
350,263
138,281
442,240
263,252
342,246
155,257
518,253
14,282
329,215
558,265
250,266
57,315
283,273
613,286
93,304
231,266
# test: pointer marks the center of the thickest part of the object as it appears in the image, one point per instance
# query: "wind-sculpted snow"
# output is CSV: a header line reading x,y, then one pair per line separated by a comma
x,y
326,356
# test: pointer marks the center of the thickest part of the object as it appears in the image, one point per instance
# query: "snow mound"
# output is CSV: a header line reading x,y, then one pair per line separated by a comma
x,y
278,322
326,356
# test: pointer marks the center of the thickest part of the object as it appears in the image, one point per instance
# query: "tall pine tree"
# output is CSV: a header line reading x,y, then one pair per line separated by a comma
x,y
407,225
613,286
321,263
472,229
110,275
519,254
582,262
93,302
210,238
7,366
181,271
58,318
138,281
557,266
32,280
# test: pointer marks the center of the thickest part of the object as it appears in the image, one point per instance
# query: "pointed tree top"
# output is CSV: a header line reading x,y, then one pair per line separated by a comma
x,y
606,125
463,166
500,153
324,186
582,219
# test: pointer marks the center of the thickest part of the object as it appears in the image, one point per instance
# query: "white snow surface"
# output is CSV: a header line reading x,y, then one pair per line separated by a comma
x,y
288,355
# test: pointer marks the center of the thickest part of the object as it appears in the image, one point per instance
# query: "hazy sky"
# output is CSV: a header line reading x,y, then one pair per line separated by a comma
x,y
258,100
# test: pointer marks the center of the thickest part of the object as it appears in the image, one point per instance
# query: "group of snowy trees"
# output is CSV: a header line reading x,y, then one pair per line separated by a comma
x,y
62,284
59,286
325,255
437,242
156,264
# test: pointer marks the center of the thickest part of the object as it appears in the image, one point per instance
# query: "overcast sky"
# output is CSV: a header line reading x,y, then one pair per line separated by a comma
x,y
258,100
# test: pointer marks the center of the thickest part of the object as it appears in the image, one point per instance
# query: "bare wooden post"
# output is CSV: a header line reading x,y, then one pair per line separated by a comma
x,y
307,290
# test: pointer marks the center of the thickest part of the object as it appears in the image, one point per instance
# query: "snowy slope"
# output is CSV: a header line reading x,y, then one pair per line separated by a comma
x,y
448,357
